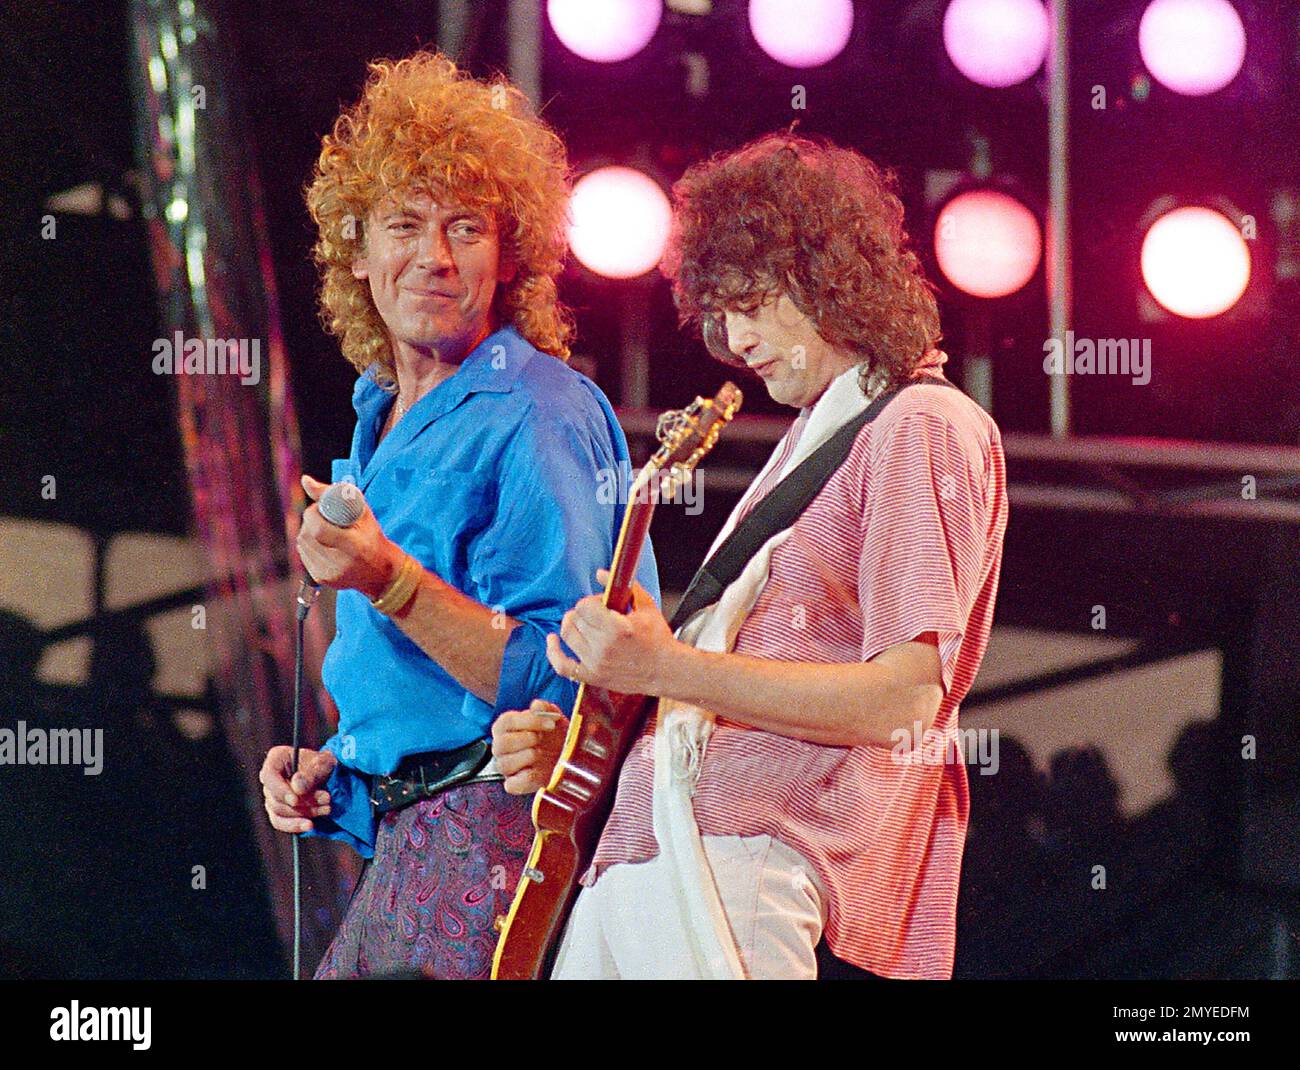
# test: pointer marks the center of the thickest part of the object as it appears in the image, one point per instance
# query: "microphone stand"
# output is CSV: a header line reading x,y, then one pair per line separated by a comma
x,y
308,592
342,506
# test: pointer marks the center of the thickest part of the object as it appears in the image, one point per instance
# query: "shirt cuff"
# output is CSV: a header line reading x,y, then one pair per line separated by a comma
x,y
526,673
351,818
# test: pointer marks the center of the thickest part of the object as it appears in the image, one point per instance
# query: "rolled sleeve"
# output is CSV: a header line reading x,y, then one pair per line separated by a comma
x,y
922,558
552,530
526,673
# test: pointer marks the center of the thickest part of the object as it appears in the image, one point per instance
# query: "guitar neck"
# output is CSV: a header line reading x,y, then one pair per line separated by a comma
x,y
570,811
631,539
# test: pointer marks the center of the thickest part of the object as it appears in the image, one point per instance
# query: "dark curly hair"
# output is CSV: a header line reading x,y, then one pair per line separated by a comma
x,y
820,223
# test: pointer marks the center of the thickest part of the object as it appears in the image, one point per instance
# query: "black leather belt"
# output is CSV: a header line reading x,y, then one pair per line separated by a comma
x,y
421,776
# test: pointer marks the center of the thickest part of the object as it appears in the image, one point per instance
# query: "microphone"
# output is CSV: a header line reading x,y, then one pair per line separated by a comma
x,y
342,505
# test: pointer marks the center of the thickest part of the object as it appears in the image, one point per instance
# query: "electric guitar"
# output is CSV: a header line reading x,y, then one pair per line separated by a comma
x,y
570,812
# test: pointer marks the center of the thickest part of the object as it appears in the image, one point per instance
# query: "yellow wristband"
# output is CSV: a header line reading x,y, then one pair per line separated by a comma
x,y
400,590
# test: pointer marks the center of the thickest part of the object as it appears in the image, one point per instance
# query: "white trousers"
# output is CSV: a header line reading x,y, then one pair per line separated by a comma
x,y
626,926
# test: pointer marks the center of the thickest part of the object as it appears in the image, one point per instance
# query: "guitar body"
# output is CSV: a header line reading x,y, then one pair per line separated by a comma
x,y
569,814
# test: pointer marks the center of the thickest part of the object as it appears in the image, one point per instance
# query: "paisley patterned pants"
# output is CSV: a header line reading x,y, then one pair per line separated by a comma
x,y
443,869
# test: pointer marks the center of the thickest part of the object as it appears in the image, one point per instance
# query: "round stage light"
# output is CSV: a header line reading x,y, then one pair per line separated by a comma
x,y
996,43
1192,46
605,31
1195,262
988,244
620,222
801,33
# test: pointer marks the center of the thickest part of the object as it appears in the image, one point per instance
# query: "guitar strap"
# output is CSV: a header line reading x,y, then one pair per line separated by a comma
x,y
781,507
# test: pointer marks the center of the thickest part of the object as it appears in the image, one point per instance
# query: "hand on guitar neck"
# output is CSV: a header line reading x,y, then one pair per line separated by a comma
x,y
620,651
631,652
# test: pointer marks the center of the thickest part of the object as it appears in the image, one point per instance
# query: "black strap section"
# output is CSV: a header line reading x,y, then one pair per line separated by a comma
x,y
781,507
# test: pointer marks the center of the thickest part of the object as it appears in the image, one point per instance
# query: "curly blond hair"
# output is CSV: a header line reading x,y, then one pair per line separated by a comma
x,y
818,222
422,124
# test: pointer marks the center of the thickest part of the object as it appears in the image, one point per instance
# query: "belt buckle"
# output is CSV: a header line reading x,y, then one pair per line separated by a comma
x,y
387,793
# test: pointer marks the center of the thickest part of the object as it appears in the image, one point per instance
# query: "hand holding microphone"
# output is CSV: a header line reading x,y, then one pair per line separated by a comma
x,y
340,542
342,504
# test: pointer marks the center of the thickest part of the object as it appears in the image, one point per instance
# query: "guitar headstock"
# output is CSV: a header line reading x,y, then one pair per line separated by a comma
x,y
686,435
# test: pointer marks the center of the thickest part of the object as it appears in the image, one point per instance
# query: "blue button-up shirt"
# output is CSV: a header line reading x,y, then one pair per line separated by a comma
x,y
507,480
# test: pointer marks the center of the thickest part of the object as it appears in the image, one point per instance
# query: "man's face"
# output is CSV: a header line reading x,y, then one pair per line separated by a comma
x,y
433,268
782,345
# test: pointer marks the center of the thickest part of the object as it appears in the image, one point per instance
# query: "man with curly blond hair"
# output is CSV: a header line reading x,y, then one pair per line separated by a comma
x,y
440,203
799,806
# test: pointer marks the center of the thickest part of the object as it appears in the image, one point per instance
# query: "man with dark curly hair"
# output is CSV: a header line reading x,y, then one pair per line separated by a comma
x,y
799,806
440,205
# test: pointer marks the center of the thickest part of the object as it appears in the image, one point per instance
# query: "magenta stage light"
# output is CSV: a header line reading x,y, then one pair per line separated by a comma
x,y
801,33
605,31
620,222
1195,262
996,43
987,243
1192,46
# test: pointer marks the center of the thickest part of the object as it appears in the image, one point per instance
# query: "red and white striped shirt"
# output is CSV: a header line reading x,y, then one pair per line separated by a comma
x,y
904,539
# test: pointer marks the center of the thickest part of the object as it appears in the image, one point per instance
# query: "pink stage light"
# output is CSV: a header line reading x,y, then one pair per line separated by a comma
x,y
1192,46
1195,262
988,244
801,33
620,222
996,43
605,31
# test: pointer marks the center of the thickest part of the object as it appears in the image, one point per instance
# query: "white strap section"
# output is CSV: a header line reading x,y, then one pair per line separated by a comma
x,y
682,731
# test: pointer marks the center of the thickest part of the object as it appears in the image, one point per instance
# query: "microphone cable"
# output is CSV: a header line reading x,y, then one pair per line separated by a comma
x,y
307,594
341,505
